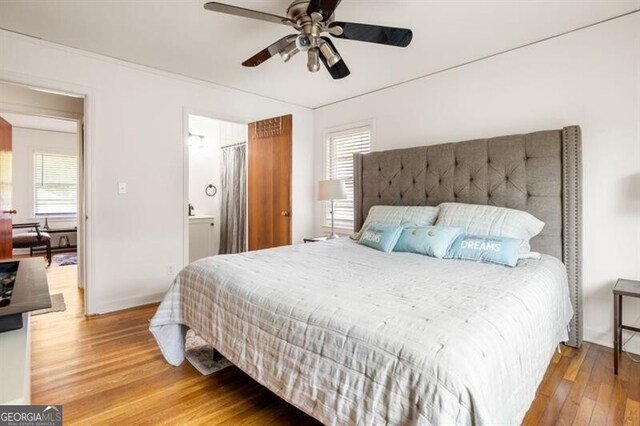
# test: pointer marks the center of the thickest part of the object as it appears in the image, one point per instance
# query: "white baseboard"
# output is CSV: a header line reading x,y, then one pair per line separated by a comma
x,y
103,307
606,339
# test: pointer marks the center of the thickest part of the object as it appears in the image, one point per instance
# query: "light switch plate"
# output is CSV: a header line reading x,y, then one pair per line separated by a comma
x,y
122,187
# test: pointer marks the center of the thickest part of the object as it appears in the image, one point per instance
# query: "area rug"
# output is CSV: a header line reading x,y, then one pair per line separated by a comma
x,y
66,259
200,354
57,305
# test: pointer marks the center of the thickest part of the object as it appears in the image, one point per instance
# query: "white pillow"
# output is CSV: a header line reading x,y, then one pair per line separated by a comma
x,y
490,220
398,215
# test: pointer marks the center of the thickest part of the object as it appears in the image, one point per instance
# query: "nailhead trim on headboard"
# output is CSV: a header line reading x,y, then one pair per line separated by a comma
x,y
572,224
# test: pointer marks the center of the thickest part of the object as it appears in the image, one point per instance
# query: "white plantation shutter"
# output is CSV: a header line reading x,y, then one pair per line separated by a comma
x,y
55,184
339,160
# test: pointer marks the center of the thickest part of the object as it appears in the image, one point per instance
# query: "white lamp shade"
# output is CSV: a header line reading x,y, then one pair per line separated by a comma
x,y
332,190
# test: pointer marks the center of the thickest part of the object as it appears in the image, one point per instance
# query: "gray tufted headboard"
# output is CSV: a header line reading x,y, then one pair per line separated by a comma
x,y
537,172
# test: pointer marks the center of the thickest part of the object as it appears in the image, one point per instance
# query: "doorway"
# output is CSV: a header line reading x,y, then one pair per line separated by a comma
x,y
237,185
209,144
44,191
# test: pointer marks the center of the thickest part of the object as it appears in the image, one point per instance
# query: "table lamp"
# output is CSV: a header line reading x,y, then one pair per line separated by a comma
x,y
332,190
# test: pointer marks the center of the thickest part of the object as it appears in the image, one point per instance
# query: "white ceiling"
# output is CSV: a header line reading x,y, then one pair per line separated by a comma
x,y
181,37
40,123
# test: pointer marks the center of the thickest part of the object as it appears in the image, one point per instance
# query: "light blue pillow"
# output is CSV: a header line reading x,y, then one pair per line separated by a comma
x,y
485,248
432,241
380,236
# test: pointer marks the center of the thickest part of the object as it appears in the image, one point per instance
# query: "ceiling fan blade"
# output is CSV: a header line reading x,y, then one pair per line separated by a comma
x,y
400,37
339,69
324,7
247,13
268,52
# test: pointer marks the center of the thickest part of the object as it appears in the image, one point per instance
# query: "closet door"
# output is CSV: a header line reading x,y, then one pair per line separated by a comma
x,y
269,182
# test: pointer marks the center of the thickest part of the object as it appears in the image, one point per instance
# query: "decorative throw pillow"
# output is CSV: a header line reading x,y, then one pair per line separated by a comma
x,y
432,241
485,248
490,220
381,236
397,215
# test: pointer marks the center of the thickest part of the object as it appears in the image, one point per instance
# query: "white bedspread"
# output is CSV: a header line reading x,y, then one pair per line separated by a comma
x,y
352,335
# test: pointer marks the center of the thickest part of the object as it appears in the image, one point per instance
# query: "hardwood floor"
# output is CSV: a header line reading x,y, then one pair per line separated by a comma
x,y
109,370
580,388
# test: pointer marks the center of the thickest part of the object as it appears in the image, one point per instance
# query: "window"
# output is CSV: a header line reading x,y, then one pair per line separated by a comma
x,y
55,184
340,147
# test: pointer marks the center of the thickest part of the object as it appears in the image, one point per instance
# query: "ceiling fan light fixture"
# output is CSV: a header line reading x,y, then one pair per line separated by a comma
x,y
289,51
303,43
329,54
313,63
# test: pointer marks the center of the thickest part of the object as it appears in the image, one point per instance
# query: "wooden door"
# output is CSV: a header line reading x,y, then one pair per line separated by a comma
x,y
269,183
6,211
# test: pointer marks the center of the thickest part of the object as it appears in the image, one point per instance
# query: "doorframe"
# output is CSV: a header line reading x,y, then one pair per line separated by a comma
x,y
213,115
88,93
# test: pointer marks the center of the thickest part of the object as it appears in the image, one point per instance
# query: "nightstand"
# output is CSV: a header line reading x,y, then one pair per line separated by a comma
x,y
314,239
628,288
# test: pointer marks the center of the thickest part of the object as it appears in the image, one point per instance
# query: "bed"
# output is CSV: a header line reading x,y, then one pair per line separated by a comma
x,y
351,335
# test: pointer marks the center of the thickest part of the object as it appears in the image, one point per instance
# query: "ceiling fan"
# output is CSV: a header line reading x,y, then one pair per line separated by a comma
x,y
312,18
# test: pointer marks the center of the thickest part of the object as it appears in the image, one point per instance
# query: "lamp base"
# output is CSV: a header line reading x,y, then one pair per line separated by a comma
x,y
332,236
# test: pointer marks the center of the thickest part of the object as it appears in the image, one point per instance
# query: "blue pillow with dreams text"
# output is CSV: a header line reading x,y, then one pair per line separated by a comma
x,y
431,241
380,236
485,248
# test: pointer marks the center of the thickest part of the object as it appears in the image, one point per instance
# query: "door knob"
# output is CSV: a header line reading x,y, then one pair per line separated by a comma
x,y
10,211
285,213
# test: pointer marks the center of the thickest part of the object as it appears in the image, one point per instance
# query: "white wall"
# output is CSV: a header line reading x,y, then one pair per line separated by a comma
x,y
135,134
26,142
590,78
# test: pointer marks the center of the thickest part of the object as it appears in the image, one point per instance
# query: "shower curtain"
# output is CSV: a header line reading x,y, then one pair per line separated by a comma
x,y
234,200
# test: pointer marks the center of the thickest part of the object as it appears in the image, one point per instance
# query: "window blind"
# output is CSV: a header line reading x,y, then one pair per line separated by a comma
x,y
55,179
340,147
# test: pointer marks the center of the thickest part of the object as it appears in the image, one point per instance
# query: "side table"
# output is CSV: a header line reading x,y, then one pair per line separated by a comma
x,y
629,288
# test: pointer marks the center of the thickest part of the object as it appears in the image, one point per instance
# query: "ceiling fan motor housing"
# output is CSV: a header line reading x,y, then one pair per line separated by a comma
x,y
311,27
297,9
